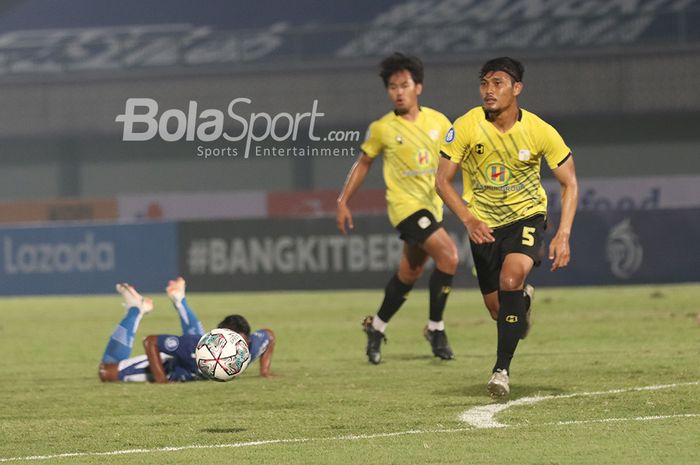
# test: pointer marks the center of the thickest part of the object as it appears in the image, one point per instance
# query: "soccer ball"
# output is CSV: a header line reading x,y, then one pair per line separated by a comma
x,y
222,354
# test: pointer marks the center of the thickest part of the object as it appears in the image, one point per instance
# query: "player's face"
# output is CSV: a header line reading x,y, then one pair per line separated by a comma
x,y
403,92
498,91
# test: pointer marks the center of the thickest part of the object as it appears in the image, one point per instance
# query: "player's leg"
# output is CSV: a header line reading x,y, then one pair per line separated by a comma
x,y
443,251
487,263
121,342
411,266
134,369
522,247
492,304
188,319
513,301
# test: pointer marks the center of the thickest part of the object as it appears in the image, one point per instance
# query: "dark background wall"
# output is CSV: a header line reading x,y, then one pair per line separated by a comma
x,y
617,79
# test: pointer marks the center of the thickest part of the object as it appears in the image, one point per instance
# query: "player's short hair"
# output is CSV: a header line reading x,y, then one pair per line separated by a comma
x,y
236,323
399,62
508,65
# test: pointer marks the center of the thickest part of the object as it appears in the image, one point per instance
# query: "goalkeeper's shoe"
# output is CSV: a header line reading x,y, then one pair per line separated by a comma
x,y
438,343
498,384
530,292
374,340
133,299
176,289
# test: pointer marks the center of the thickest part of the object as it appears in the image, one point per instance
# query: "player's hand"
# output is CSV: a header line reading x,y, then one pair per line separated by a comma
x,y
479,232
559,251
343,218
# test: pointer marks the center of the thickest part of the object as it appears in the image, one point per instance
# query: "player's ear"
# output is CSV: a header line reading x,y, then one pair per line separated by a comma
x,y
419,89
518,88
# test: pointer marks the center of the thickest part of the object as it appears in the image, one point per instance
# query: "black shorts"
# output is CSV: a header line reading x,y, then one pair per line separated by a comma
x,y
525,236
416,228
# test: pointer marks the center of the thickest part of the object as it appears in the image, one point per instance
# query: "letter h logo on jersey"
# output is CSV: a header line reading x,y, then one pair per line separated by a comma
x,y
423,157
497,174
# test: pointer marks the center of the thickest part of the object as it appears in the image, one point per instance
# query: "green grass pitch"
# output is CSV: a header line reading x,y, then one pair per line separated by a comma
x,y
589,352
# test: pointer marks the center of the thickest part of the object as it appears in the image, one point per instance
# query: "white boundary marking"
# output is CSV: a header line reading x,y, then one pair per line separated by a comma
x,y
482,416
232,445
477,417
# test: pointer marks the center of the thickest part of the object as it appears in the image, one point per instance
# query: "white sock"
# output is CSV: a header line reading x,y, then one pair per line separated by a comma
x,y
378,324
436,325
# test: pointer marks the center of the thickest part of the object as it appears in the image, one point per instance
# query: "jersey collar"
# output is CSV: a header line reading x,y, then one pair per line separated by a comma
x,y
420,109
486,114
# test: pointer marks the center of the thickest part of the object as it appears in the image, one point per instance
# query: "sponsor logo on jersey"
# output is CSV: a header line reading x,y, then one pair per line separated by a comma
x,y
497,174
399,139
423,157
524,155
512,319
434,134
450,136
479,149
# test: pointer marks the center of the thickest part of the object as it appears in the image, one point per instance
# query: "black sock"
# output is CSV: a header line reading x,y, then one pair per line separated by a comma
x,y
511,325
395,294
440,286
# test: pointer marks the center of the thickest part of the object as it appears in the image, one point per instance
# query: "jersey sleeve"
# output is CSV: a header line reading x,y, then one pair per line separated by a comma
x,y
445,126
456,143
169,344
553,147
373,145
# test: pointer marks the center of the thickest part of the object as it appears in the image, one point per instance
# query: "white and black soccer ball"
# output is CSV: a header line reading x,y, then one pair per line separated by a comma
x,y
222,354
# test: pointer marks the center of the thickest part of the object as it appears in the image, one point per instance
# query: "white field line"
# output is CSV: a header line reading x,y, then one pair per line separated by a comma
x,y
353,437
482,416
616,420
356,437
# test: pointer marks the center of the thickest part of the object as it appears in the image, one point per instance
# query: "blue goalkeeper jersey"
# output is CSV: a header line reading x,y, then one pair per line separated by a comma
x,y
179,362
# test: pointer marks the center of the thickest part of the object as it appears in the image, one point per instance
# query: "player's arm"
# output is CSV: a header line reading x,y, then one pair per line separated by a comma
x,y
479,232
150,344
266,357
354,180
559,249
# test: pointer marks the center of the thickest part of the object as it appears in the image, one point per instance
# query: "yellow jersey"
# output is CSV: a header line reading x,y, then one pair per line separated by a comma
x,y
411,152
501,170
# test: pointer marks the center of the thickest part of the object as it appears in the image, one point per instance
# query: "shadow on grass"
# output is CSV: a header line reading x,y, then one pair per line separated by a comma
x,y
430,357
223,430
411,357
516,391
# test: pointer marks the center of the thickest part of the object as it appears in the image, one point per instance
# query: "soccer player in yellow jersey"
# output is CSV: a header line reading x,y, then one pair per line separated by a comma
x,y
499,147
409,137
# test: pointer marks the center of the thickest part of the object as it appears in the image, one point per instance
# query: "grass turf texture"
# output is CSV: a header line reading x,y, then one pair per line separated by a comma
x,y
327,394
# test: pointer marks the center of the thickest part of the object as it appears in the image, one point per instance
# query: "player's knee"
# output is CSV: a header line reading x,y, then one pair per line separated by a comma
x,y
448,263
410,276
108,372
510,282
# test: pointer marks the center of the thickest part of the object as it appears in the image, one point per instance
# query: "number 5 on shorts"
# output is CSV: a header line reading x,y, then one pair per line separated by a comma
x,y
528,238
